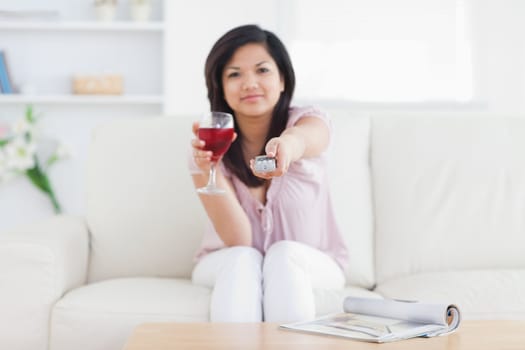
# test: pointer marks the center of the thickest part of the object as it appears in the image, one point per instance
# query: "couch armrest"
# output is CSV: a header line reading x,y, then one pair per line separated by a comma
x,y
38,264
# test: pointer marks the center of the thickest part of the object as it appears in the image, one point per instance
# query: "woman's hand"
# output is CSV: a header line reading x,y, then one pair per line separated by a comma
x,y
201,156
309,137
280,148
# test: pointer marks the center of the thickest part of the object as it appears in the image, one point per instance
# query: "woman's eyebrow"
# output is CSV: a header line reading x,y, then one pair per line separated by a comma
x,y
237,68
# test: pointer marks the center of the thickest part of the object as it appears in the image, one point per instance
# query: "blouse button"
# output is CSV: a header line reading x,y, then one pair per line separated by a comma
x,y
267,222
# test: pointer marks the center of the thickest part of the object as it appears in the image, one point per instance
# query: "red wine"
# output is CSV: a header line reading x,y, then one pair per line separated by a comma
x,y
217,140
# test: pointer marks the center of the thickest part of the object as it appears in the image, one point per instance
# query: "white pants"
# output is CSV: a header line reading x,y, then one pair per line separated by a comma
x,y
244,283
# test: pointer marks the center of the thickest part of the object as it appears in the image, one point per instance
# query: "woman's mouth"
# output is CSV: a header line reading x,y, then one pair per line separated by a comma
x,y
251,98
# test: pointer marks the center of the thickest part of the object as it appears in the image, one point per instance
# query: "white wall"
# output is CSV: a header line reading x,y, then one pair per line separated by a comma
x,y
498,33
499,54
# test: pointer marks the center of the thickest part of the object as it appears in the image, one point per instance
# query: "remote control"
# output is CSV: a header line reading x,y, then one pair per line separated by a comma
x,y
264,164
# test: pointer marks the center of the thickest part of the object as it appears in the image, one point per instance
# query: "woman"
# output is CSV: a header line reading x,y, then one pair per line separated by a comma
x,y
273,237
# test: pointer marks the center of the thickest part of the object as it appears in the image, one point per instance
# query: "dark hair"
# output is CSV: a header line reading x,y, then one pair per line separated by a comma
x,y
219,55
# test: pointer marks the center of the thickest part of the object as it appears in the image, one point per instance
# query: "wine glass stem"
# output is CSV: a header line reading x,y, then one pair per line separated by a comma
x,y
211,180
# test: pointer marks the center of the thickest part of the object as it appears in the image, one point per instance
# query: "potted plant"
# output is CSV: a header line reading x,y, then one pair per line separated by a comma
x,y
140,10
105,10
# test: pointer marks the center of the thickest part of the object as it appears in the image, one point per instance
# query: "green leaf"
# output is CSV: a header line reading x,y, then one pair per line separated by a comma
x,y
39,178
52,160
29,114
41,181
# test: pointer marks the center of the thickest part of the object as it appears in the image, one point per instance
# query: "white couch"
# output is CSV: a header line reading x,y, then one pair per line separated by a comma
x,y
432,208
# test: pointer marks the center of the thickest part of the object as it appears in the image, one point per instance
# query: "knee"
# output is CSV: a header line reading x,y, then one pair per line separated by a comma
x,y
282,248
283,254
243,256
236,260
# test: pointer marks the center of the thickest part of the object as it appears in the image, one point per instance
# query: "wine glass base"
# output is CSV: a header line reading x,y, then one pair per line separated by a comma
x,y
214,191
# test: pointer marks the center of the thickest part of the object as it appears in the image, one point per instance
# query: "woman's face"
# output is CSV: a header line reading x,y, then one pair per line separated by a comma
x,y
251,81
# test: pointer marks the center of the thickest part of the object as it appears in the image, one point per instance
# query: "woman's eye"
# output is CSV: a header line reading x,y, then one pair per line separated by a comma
x,y
233,74
263,70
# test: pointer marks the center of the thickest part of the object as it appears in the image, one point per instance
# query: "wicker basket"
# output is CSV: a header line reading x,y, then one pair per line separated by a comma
x,y
109,84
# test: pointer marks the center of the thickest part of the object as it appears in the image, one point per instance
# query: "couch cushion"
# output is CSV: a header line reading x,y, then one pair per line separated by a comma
x,y
349,175
484,294
449,193
102,315
142,211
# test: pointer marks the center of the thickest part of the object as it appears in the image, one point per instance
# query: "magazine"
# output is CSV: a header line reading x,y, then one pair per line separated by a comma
x,y
384,320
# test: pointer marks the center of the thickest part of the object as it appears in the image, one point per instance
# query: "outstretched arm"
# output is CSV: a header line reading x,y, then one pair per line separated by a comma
x,y
309,137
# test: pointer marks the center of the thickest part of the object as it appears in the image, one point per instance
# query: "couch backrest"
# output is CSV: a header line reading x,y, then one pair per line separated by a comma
x,y
351,193
449,193
143,214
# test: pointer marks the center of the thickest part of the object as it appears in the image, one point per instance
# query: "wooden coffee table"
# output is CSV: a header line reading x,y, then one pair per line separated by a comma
x,y
475,335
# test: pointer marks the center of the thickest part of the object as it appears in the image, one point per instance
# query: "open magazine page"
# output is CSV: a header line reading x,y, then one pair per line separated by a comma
x,y
384,320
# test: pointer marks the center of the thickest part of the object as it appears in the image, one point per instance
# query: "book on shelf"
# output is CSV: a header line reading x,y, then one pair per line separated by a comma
x,y
384,320
5,81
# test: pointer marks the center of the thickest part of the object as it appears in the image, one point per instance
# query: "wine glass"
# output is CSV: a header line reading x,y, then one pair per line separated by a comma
x,y
216,130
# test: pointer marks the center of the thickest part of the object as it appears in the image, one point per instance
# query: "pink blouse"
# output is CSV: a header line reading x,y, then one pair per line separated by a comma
x,y
298,205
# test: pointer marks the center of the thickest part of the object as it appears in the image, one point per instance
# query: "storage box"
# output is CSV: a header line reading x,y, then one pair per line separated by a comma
x,y
108,84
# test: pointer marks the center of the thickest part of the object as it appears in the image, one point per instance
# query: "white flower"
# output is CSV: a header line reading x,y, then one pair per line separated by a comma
x,y
22,126
63,152
46,151
20,154
5,173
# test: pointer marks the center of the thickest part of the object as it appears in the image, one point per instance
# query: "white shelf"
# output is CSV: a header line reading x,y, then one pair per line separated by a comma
x,y
82,99
123,26
47,44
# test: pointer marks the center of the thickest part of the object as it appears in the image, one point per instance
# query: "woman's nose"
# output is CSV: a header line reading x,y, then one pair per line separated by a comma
x,y
250,82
